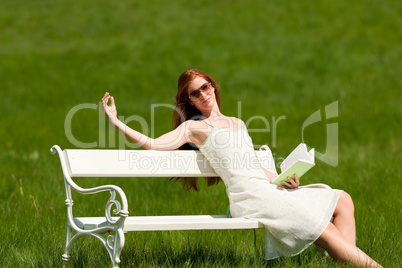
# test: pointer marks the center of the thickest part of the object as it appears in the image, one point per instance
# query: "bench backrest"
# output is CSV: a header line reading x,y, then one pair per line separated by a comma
x,y
146,163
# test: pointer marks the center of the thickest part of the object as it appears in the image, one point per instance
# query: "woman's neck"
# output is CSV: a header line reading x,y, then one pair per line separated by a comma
x,y
214,113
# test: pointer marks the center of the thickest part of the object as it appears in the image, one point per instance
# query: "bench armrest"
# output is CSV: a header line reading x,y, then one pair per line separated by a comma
x,y
121,208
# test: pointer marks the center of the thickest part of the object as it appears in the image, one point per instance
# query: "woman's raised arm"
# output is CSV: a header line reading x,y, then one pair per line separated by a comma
x,y
169,141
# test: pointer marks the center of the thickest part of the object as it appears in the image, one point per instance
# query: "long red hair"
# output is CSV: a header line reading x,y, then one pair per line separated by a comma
x,y
186,111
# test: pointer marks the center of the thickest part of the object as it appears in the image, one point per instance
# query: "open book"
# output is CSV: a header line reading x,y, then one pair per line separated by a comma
x,y
298,162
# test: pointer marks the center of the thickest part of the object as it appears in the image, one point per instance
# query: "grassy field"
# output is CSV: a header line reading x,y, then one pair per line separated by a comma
x,y
271,58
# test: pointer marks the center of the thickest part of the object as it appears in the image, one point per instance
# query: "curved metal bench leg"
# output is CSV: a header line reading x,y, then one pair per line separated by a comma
x,y
66,256
113,243
118,244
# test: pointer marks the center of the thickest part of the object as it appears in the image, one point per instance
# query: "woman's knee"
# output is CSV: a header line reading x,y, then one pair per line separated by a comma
x,y
346,202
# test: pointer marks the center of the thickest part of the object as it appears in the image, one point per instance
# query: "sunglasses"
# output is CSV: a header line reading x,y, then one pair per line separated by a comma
x,y
196,94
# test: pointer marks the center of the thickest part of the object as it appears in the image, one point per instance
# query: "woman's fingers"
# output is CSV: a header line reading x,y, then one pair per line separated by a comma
x,y
111,101
105,96
297,180
293,183
104,102
287,184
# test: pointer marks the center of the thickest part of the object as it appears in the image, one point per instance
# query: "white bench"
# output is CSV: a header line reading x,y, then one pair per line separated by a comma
x,y
137,163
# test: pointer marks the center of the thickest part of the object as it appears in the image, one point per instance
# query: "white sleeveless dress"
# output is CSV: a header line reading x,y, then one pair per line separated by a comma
x,y
293,218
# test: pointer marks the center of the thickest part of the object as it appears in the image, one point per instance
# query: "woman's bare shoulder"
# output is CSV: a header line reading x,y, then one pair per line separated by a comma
x,y
237,120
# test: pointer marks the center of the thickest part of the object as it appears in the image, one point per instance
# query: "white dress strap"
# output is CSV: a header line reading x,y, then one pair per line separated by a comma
x,y
207,123
240,126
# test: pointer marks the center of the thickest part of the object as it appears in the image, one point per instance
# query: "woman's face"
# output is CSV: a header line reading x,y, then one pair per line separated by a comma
x,y
201,93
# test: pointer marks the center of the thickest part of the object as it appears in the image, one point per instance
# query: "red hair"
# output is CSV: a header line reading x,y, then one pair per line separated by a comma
x,y
185,111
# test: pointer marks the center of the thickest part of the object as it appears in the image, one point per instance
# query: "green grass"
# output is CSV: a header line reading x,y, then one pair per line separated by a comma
x,y
278,58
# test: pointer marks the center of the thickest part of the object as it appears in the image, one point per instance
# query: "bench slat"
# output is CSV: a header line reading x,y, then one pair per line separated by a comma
x,y
146,163
137,163
166,223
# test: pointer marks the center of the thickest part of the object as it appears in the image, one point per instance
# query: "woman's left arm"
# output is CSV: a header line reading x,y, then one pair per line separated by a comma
x,y
293,182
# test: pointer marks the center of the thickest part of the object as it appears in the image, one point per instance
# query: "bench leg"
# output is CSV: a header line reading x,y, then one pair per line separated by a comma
x,y
66,256
322,252
113,243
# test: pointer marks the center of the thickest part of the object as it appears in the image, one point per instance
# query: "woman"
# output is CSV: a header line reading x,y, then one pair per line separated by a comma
x,y
293,217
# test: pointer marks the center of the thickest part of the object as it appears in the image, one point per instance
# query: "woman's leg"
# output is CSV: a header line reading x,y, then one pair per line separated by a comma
x,y
344,217
342,250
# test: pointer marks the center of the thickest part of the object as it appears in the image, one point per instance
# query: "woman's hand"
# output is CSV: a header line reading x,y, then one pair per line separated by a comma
x,y
293,183
110,111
